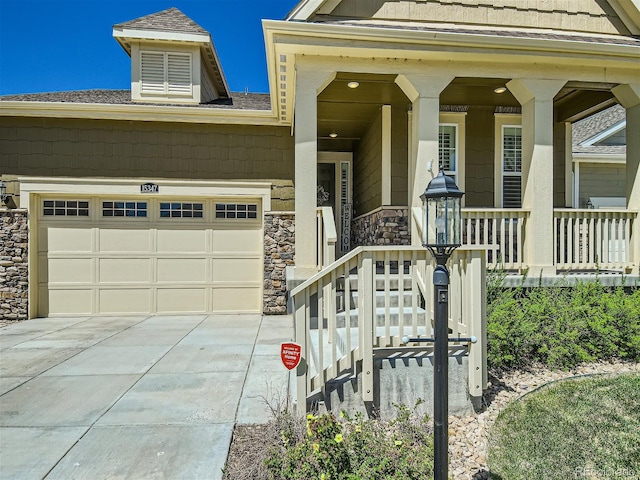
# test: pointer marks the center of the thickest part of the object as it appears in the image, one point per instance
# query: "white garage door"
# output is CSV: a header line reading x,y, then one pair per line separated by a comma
x,y
149,255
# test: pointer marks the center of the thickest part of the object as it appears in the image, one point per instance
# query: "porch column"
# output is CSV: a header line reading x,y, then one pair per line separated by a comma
x,y
629,98
309,83
536,98
424,93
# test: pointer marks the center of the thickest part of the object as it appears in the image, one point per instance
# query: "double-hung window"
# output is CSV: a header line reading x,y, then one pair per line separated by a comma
x,y
511,166
448,149
167,73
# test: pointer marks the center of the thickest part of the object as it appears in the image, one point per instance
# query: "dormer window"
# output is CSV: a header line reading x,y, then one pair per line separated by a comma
x,y
173,60
165,73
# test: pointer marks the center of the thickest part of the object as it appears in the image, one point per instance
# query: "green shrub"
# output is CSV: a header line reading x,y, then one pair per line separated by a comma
x,y
561,326
353,448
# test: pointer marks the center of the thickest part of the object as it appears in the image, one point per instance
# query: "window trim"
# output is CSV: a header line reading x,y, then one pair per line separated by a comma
x,y
458,120
502,120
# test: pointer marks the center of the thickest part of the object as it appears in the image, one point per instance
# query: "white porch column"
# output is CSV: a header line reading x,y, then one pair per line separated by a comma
x,y
308,84
424,93
536,98
629,98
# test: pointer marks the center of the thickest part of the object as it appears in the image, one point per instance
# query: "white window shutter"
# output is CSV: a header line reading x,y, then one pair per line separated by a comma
x,y
179,73
152,72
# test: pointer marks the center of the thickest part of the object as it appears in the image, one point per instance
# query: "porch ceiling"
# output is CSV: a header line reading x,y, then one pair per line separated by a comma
x,y
348,112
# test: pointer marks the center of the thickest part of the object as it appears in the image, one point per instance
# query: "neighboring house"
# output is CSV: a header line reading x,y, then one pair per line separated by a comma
x,y
599,157
181,196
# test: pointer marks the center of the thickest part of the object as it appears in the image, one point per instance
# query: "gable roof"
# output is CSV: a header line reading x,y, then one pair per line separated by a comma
x,y
595,125
620,17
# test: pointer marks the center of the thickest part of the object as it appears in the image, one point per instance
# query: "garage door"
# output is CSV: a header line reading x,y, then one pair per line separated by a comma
x,y
149,255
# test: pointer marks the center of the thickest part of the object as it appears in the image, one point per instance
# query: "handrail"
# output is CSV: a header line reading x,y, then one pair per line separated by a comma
x,y
327,236
371,298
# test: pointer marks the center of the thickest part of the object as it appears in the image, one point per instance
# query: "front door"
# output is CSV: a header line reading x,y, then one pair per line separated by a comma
x,y
334,190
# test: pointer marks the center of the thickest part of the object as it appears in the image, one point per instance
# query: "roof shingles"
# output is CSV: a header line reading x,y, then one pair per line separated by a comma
x,y
172,20
238,101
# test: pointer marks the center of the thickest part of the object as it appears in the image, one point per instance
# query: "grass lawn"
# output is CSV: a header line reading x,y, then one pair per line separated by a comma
x,y
584,428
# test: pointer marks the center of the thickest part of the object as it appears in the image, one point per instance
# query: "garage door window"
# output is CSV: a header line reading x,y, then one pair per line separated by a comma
x,y
181,210
124,209
65,208
237,210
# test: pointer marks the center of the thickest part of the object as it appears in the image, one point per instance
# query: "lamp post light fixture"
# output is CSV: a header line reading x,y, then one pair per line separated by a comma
x,y
441,235
6,199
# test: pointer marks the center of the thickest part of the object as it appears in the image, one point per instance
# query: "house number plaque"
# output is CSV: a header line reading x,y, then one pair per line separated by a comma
x,y
149,188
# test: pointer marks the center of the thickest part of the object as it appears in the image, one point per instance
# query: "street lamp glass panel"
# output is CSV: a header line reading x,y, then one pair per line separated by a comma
x,y
441,203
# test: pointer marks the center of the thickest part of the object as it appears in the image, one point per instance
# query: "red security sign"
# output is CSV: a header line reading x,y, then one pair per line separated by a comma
x,y
290,353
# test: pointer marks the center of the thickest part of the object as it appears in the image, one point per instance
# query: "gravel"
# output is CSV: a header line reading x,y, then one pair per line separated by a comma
x,y
468,435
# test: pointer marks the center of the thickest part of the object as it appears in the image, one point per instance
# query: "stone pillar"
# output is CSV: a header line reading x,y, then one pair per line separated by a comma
x,y
308,84
536,98
629,98
424,93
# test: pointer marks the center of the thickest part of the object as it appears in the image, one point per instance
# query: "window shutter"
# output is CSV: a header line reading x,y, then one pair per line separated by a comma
x,y
152,72
179,73
512,191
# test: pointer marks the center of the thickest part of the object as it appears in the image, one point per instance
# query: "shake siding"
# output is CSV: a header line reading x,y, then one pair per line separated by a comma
x,y
367,169
479,157
601,181
98,148
576,15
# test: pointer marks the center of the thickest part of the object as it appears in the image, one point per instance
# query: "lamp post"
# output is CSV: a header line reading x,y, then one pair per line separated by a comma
x,y
441,235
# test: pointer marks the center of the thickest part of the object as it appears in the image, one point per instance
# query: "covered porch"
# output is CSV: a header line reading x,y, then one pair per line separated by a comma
x,y
505,140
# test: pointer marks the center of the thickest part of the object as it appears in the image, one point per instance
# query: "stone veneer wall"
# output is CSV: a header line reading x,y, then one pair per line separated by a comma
x,y
14,272
279,249
382,226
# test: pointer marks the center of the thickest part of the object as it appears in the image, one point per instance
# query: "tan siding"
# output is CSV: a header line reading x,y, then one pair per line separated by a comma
x,y
573,15
97,148
601,181
399,156
479,157
367,169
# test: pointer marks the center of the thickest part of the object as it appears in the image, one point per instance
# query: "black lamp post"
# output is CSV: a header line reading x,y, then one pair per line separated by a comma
x,y
441,235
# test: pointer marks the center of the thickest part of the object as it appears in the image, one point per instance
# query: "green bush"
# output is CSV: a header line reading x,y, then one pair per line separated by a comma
x,y
353,448
560,326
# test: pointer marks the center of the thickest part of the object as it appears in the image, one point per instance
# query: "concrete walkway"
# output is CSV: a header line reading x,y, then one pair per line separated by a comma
x,y
134,397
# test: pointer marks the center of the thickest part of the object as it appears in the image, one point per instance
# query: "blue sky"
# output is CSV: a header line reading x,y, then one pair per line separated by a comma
x,y
57,45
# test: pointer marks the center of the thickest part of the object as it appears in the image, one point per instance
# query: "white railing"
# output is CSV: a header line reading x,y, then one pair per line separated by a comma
x,y
587,239
370,299
327,237
501,227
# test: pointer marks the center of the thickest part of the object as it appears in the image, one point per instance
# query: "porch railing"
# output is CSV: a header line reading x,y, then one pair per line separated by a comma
x,y
502,227
370,299
587,239
327,237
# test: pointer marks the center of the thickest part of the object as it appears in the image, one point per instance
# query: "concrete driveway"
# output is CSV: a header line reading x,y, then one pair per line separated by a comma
x,y
151,397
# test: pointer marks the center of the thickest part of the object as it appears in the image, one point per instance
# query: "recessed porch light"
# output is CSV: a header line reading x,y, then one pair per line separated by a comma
x,y
353,84
333,134
500,90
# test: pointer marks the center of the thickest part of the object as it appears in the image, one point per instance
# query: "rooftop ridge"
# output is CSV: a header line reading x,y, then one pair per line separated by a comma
x,y
171,19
